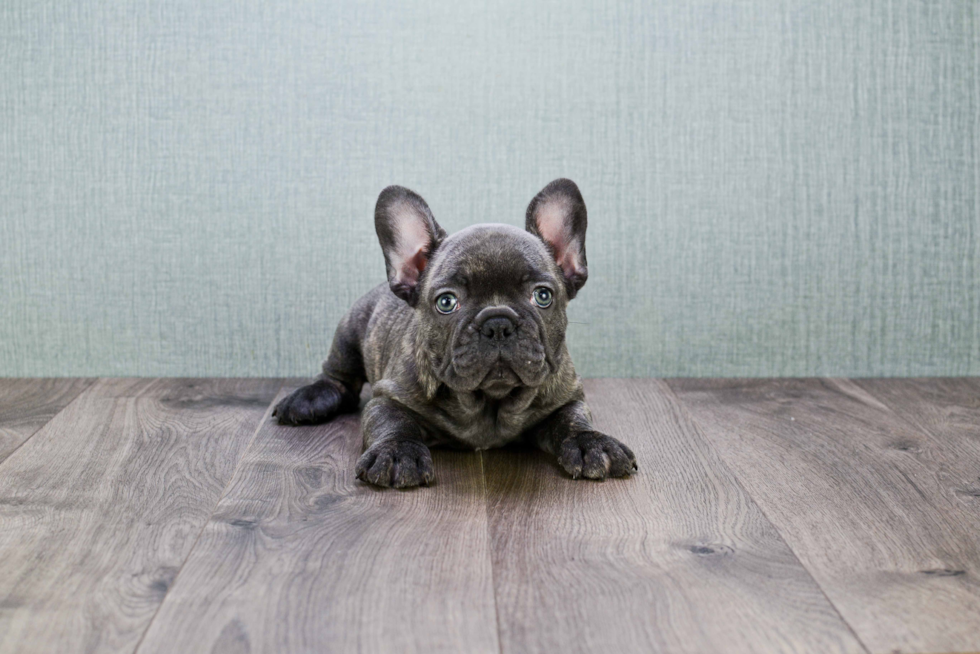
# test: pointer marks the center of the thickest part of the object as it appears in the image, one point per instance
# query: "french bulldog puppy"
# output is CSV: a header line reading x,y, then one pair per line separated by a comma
x,y
465,344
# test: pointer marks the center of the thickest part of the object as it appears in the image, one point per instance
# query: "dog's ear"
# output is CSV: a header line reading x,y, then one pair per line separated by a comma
x,y
558,217
409,236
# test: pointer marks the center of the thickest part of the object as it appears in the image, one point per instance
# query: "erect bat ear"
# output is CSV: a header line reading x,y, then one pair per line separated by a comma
x,y
557,215
409,235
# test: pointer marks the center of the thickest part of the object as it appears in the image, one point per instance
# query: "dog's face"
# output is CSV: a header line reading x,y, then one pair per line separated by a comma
x,y
491,298
491,310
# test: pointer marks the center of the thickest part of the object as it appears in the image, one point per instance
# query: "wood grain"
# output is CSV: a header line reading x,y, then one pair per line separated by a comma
x,y
301,557
862,497
947,410
27,404
676,559
100,508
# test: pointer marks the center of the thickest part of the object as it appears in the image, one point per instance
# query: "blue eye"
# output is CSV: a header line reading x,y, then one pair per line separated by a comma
x,y
543,297
446,303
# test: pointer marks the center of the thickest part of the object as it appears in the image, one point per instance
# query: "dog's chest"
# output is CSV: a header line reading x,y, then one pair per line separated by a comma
x,y
485,431
483,424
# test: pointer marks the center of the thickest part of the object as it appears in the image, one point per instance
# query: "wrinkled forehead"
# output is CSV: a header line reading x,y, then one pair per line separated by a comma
x,y
490,255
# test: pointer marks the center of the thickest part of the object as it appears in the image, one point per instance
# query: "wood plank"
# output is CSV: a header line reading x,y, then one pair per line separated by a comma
x,y
859,495
676,559
301,557
948,410
27,404
101,507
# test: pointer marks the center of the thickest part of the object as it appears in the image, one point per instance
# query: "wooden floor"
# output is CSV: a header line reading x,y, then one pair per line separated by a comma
x,y
805,515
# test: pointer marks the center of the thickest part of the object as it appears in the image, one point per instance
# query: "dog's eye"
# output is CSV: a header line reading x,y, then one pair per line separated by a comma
x,y
446,303
543,297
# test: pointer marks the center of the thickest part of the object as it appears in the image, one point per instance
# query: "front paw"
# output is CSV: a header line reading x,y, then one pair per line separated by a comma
x,y
310,405
594,455
396,463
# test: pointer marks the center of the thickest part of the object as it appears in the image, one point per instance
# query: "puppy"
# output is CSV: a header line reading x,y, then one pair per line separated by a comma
x,y
465,344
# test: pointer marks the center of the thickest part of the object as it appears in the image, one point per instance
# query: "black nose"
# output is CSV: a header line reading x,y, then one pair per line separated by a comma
x,y
497,328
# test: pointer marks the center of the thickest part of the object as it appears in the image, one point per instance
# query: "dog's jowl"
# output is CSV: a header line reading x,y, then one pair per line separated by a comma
x,y
465,344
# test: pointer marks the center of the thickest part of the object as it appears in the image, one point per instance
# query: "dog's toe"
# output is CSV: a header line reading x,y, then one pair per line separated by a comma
x,y
396,463
593,455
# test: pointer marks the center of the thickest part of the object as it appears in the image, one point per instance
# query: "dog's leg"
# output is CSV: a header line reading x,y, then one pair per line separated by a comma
x,y
337,390
582,451
394,453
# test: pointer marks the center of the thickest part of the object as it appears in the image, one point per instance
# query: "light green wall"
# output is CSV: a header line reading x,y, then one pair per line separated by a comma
x,y
774,187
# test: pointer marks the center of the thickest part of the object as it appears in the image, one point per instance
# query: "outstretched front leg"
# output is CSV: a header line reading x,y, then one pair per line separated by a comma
x,y
395,454
581,451
338,389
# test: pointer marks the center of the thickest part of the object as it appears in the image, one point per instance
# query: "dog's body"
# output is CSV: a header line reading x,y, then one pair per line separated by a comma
x,y
465,345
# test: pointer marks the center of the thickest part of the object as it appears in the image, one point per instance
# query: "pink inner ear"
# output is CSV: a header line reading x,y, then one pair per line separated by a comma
x,y
410,253
553,228
411,267
551,225
569,263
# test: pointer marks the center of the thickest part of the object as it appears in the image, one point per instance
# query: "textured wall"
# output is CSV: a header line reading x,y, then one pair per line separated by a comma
x,y
775,187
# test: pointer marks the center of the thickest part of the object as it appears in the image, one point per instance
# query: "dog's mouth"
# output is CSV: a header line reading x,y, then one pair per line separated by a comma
x,y
495,369
499,381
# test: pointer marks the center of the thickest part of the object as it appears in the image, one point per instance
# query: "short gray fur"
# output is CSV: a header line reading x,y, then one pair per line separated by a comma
x,y
775,187
465,345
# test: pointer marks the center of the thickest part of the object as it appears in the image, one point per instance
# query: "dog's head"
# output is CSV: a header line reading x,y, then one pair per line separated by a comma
x,y
491,298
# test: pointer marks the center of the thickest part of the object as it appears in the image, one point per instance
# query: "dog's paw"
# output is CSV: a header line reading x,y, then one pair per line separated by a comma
x,y
396,463
594,455
309,405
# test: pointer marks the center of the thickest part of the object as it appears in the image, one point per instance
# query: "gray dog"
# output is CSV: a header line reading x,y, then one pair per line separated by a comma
x,y
465,344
